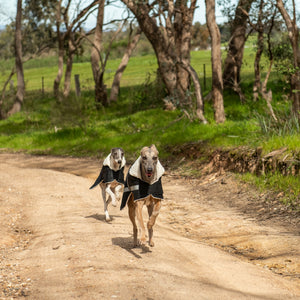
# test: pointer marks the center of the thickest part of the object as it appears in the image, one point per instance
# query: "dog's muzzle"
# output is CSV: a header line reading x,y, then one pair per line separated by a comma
x,y
149,172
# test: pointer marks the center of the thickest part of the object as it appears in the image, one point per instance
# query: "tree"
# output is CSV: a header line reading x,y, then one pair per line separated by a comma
x,y
98,73
234,59
66,30
38,31
37,37
130,47
216,60
168,27
262,20
19,65
293,31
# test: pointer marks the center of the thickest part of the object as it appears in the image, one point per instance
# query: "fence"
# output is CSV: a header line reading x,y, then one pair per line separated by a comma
x,y
43,81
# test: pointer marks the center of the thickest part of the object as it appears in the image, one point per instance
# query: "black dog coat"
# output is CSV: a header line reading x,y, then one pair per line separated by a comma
x,y
107,174
141,189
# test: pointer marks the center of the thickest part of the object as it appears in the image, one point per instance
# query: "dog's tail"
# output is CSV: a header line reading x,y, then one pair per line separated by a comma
x,y
98,180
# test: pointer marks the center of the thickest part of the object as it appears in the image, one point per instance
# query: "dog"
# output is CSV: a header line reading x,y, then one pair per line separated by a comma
x,y
111,178
143,187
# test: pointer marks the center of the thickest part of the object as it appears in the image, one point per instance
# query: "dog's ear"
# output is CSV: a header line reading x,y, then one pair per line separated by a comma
x,y
152,147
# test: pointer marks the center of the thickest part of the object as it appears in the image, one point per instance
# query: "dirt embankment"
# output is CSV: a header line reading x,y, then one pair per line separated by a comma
x,y
55,242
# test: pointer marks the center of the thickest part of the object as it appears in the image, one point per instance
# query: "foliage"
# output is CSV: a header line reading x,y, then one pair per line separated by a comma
x,y
286,124
6,43
200,37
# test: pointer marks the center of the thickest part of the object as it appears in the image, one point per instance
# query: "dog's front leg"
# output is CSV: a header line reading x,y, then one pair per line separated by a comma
x,y
107,217
131,213
112,195
153,211
117,192
139,214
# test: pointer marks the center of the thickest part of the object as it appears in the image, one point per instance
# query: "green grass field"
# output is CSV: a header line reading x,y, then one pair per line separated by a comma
x,y
137,71
76,128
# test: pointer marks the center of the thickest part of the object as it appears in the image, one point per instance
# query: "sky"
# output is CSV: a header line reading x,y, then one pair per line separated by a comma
x,y
8,12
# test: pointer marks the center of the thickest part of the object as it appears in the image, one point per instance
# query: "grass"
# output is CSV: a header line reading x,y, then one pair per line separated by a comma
x,y
137,71
285,188
75,128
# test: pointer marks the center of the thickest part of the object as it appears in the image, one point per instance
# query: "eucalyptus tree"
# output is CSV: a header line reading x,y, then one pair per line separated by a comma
x,y
66,29
216,60
234,59
26,37
18,102
132,42
293,32
168,26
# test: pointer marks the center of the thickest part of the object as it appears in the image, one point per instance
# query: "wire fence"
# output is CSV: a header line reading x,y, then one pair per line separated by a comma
x,y
42,79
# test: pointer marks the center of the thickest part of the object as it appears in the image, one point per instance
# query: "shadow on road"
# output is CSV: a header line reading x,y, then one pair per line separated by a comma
x,y
101,217
127,244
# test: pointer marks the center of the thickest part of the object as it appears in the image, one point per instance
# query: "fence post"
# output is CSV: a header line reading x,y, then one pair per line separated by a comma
x,y
77,85
204,77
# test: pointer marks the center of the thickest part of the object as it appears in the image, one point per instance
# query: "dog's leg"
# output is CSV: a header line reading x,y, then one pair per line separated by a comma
x,y
131,213
139,214
117,192
153,211
107,217
150,228
112,195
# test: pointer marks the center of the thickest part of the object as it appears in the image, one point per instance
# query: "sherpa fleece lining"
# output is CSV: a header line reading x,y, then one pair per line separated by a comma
x,y
135,170
107,162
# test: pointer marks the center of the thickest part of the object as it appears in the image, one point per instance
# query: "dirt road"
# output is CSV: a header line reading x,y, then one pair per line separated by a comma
x,y
55,243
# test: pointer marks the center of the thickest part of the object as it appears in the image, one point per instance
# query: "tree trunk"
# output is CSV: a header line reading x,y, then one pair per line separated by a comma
x,y
198,92
257,78
260,47
19,65
170,40
69,65
60,40
182,32
293,32
116,83
100,89
59,72
234,59
216,60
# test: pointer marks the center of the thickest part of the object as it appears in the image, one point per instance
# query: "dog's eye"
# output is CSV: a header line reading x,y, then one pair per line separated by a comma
x,y
144,157
154,157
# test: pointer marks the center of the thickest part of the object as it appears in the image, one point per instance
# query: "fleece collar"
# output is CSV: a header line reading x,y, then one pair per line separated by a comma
x,y
135,170
107,162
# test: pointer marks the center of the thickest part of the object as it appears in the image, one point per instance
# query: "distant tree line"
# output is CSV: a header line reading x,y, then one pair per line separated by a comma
x,y
166,28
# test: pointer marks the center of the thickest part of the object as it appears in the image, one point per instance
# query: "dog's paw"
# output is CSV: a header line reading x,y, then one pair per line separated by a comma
x,y
114,203
143,241
151,243
107,217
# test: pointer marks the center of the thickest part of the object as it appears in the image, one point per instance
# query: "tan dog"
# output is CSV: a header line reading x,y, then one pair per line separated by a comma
x,y
143,187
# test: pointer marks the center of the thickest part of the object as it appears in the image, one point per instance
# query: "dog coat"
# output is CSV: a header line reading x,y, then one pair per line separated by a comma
x,y
141,189
107,174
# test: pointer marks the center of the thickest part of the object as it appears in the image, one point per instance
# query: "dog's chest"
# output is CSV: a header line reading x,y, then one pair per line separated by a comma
x,y
148,200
